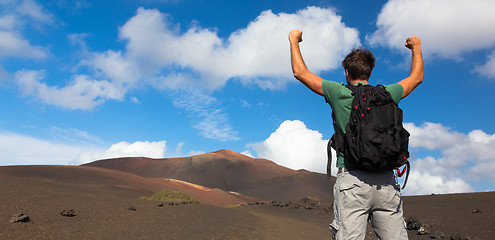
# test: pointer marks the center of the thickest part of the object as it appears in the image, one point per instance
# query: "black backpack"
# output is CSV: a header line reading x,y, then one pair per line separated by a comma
x,y
375,139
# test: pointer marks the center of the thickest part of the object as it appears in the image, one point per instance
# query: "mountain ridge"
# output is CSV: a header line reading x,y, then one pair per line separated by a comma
x,y
230,171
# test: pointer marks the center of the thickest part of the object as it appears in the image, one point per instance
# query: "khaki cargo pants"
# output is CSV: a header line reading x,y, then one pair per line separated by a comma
x,y
362,196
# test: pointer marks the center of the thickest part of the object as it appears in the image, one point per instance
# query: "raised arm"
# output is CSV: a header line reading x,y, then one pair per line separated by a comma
x,y
416,76
301,72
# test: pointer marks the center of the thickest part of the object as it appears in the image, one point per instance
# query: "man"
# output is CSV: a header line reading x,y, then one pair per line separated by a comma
x,y
360,195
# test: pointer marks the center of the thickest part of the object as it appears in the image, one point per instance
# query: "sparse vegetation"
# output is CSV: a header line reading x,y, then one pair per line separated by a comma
x,y
232,205
171,196
299,176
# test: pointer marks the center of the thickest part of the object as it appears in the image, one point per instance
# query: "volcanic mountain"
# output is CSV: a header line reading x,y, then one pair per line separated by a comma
x,y
229,171
122,184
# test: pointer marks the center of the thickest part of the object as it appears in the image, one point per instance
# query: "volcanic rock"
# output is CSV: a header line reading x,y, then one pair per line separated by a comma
x,y
21,217
413,223
437,235
456,236
422,231
68,213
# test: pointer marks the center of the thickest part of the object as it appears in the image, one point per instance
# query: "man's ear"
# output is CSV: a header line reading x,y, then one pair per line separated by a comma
x,y
347,76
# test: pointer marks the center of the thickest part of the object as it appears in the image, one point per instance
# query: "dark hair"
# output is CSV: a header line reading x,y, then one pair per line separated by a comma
x,y
359,63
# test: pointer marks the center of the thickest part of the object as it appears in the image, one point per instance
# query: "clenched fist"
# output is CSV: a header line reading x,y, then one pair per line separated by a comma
x,y
412,42
295,36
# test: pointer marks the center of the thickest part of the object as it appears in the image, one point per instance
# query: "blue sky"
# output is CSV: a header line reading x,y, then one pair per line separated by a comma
x,y
86,80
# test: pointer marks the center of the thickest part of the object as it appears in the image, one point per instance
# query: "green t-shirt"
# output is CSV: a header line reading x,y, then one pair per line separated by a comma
x,y
339,97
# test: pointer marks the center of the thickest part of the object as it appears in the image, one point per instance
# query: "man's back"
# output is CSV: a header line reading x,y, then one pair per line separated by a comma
x,y
340,99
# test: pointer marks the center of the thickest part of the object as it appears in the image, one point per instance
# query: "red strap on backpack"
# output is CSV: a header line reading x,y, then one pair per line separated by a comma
x,y
399,172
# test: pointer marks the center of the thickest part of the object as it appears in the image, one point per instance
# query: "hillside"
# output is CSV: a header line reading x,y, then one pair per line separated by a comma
x,y
229,171
121,184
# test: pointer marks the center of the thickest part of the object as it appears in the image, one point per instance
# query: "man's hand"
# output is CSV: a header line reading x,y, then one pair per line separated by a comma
x,y
416,76
295,36
413,42
299,68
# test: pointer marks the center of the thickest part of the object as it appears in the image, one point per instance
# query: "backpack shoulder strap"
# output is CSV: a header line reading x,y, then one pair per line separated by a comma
x,y
352,88
337,140
359,87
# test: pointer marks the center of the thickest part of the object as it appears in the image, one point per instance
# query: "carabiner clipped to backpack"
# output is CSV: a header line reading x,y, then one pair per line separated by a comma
x,y
404,170
399,172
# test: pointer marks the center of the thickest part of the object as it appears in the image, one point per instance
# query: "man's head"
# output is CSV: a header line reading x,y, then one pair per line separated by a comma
x,y
359,63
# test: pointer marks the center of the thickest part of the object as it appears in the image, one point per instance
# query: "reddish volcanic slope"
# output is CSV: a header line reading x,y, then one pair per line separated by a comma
x,y
106,206
127,185
229,171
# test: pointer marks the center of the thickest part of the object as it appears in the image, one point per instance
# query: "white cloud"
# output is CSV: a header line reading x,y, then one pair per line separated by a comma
x,y
135,100
432,136
212,121
259,53
159,54
487,69
8,21
80,93
72,135
12,44
430,175
209,118
24,11
423,183
295,146
178,151
248,153
126,149
159,51
16,149
13,17
471,154
463,158
35,11
113,65
448,28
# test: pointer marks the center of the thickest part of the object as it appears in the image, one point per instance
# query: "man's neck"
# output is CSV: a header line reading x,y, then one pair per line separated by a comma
x,y
352,82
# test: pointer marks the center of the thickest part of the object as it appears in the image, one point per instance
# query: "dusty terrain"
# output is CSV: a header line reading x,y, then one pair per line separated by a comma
x,y
100,201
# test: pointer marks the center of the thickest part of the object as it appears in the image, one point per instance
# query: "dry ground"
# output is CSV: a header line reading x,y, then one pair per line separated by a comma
x,y
106,206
